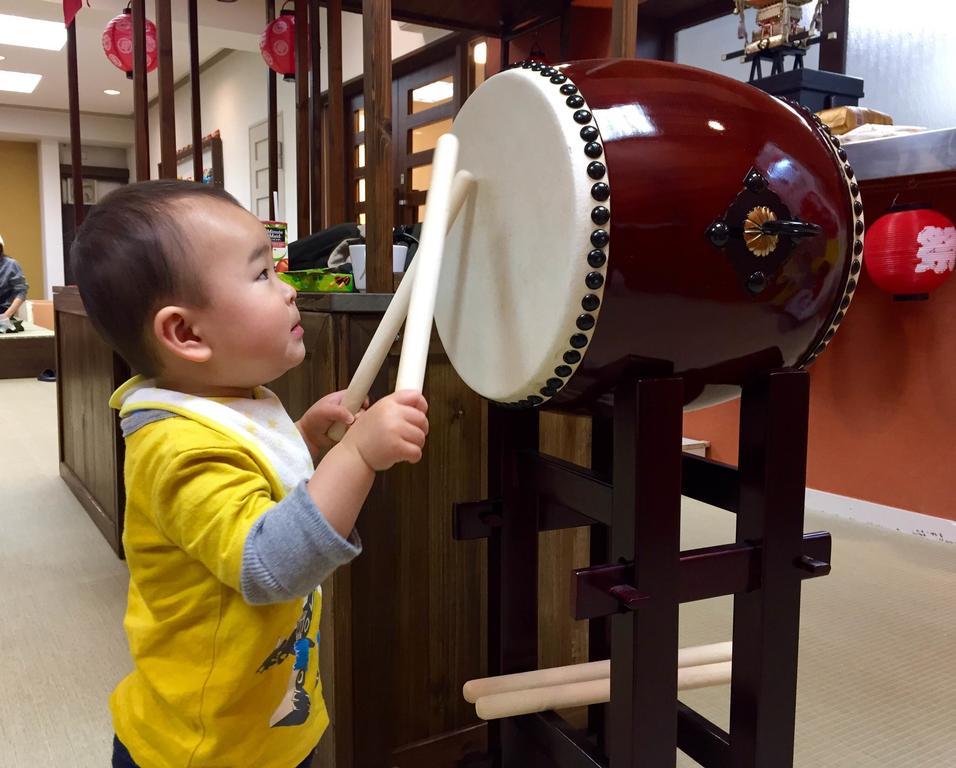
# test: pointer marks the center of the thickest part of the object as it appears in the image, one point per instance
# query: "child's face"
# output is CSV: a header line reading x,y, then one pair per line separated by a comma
x,y
250,320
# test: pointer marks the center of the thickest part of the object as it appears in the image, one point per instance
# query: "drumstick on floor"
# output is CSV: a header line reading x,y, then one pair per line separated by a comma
x,y
530,700
394,317
578,673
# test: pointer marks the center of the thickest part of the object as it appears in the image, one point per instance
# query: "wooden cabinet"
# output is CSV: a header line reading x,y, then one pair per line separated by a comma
x,y
403,625
91,446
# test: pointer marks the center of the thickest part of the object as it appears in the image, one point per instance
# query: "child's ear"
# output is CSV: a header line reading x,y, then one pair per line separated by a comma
x,y
174,332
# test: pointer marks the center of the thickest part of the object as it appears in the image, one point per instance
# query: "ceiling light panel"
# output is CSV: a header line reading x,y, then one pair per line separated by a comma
x,y
18,82
32,33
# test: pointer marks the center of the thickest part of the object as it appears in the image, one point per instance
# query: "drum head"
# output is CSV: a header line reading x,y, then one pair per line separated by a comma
x,y
516,278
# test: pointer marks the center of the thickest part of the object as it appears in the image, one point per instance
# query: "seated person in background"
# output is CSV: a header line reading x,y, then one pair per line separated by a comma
x,y
234,514
13,292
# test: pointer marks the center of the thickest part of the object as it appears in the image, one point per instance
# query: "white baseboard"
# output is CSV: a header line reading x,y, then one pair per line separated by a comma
x,y
893,518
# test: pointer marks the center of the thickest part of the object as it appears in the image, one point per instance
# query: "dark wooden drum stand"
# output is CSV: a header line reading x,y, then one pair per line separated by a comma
x,y
638,578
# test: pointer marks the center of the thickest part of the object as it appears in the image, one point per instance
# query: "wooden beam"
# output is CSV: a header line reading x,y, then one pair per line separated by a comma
x,y
75,140
380,184
336,155
836,22
167,96
302,154
194,83
273,124
624,29
315,117
96,172
140,93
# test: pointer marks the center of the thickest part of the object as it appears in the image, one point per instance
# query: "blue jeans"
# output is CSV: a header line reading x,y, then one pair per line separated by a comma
x,y
121,758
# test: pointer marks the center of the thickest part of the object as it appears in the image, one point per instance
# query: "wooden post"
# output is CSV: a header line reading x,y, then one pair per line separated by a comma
x,y
194,84
512,571
273,124
302,153
75,141
836,21
599,630
380,184
167,107
504,54
336,155
774,410
315,118
645,529
624,29
140,94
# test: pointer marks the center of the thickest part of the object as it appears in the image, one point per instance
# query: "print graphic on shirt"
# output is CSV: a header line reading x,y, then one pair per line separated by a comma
x,y
297,703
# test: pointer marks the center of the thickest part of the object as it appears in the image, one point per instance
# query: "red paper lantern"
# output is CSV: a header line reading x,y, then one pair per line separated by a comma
x,y
277,45
910,252
118,43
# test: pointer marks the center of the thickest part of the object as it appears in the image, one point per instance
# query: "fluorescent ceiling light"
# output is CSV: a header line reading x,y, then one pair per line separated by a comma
x,y
18,82
440,90
111,92
32,33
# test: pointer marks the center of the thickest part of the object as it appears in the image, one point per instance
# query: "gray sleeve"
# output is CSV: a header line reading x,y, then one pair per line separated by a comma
x,y
20,284
292,549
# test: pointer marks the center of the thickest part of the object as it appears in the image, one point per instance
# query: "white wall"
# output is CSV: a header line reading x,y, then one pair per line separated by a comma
x,y
704,45
51,219
48,128
903,51
18,124
233,95
906,55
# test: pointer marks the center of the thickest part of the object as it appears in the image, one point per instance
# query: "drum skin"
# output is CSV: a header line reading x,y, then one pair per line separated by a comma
x,y
676,144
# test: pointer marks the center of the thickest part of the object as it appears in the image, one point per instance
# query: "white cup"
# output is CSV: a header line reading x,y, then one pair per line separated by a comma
x,y
357,257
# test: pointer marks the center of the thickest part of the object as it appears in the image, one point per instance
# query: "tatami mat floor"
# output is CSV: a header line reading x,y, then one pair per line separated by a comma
x,y
878,648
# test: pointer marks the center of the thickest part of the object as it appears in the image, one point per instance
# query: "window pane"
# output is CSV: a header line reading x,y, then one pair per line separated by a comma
x,y
431,95
480,56
361,218
359,120
360,156
426,136
360,191
421,177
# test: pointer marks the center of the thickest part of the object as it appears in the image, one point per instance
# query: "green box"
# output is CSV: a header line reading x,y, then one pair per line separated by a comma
x,y
319,281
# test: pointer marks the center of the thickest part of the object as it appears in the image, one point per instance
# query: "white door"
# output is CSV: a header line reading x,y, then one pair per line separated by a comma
x,y
259,171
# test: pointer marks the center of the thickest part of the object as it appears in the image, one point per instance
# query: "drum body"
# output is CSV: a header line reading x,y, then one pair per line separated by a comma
x,y
640,217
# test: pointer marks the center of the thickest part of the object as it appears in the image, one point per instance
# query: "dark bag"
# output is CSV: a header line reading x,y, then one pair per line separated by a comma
x,y
313,251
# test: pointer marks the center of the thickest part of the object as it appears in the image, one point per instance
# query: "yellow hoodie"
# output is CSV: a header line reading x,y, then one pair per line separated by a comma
x,y
217,682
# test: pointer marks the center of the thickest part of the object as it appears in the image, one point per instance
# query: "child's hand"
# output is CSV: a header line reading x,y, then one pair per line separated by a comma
x,y
319,419
391,431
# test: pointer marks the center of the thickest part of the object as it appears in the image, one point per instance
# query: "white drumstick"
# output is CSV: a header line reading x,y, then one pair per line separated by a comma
x,y
579,673
392,320
531,700
421,307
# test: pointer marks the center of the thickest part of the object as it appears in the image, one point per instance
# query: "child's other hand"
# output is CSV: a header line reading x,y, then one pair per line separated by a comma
x,y
320,418
391,431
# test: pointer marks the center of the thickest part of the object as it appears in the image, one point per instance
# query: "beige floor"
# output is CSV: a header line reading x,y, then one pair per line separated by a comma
x,y
877,664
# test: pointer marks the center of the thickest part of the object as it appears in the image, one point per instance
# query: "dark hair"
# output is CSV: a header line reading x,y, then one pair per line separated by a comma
x,y
130,255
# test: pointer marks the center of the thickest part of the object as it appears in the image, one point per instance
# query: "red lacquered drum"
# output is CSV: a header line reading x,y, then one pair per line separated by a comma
x,y
642,216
